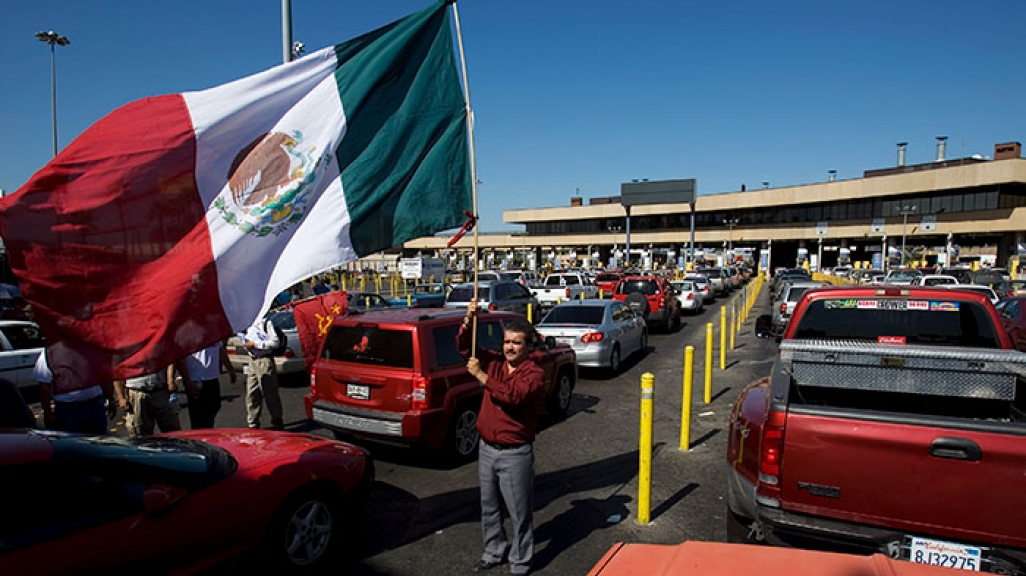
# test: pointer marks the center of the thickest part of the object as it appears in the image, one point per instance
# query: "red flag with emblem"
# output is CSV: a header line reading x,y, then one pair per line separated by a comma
x,y
313,319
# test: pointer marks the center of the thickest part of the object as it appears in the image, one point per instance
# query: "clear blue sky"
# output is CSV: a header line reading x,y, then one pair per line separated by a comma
x,y
581,94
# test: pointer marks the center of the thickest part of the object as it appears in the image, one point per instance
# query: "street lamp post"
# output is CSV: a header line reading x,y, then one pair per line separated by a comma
x,y
730,223
53,39
905,211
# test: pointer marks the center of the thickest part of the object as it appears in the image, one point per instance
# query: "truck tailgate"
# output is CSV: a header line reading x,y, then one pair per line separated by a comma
x,y
968,484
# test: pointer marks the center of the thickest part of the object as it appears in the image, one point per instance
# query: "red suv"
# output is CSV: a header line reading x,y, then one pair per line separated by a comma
x,y
396,376
606,283
653,298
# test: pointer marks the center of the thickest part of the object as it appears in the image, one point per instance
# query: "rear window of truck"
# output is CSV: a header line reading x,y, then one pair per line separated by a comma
x,y
369,345
930,322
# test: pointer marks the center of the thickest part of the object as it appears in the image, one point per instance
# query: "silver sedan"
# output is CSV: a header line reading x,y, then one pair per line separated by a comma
x,y
689,295
601,332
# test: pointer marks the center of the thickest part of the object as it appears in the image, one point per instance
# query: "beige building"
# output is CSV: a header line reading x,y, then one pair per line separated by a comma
x,y
958,210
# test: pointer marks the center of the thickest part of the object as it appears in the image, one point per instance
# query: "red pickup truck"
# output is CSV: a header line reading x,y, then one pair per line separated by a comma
x,y
893,421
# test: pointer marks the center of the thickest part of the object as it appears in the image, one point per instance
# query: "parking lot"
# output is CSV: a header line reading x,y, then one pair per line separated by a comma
x,y
423,514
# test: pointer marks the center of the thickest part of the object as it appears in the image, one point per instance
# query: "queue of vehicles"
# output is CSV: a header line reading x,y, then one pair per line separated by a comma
x,y
886,408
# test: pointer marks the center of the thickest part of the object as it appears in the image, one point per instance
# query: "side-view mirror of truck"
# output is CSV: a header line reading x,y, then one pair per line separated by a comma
x,y
764,326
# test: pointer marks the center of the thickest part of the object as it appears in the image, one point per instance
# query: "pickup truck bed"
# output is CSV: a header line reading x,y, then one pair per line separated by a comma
x,y
889,444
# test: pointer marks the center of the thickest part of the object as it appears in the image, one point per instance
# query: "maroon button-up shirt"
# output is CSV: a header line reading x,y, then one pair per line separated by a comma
x,y
512,401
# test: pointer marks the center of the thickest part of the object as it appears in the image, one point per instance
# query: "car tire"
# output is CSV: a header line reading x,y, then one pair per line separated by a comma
x,y
462,439
644,342
305,532
637,302
738,529
558,402
614,361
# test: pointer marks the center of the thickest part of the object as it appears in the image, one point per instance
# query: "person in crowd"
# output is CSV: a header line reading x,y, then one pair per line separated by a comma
x,y
260,341
84,411
149,402
507,422
14,412
201,378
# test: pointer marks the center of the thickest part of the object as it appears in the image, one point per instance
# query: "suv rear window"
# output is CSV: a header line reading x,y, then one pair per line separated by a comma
x,y
466,293
369,345
646,287
607,277
931,322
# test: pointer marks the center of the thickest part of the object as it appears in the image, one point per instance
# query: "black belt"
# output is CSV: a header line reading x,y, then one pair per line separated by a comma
x,y
500,446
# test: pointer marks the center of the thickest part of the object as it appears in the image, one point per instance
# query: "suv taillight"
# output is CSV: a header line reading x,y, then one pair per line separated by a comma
x,y
783,308
313,380
419,397
592,337
568,293
771,454
492,307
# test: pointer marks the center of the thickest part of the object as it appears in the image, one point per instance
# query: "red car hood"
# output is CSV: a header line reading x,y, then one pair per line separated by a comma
x,y
262,447
718,559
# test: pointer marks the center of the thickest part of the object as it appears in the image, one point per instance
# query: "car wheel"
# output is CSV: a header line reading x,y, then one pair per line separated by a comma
x,y
562,393
614,360
644,341
463,436
305,530
739,530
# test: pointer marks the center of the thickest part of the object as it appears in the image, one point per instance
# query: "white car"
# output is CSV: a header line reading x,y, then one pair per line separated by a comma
x,y
985,290
702,283
689,295
934,280
21,342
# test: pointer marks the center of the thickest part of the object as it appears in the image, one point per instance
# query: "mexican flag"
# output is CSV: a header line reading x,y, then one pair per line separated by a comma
x,y
174,221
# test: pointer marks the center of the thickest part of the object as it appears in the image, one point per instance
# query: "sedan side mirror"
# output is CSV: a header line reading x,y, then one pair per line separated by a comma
x,y
764,326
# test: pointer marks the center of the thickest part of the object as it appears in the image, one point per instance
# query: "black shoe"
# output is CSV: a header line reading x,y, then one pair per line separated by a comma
x,y
483,565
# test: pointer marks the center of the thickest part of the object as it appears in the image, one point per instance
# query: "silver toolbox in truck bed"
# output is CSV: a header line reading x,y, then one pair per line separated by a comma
x,y
931,370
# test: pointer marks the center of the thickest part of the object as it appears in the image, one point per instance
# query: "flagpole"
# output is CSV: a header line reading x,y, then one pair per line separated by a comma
x,y
473,164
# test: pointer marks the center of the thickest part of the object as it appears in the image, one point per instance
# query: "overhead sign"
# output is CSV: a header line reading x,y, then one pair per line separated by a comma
x,y
928,223
822,227
658,192
877,227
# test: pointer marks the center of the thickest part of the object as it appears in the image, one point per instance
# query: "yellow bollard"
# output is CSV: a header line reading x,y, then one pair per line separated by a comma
x,y
409,300
685,410
645,448
343,282
723,337
367,302
601,293
708,361
530,310
733,322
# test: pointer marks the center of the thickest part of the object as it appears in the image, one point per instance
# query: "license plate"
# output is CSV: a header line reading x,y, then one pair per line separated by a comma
x,y
358,391
948,554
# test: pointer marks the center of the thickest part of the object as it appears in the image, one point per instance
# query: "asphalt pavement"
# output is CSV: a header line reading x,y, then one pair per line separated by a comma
x,y
424,516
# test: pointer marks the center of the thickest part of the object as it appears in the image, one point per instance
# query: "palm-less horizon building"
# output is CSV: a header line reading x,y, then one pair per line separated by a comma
x,y
949,211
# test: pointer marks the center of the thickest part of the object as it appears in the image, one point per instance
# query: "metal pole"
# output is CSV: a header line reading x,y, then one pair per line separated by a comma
x,y
286,31
692,255
628,236
904,224
53,96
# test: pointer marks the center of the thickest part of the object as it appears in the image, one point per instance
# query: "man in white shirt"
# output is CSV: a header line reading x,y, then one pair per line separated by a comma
x,y
201,377
262,377
84,410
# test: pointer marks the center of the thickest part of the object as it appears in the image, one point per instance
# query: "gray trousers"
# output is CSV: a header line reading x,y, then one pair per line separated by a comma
x,y
261,387
507,477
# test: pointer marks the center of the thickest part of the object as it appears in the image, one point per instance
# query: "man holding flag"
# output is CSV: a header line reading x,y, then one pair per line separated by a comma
x,y
174,221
